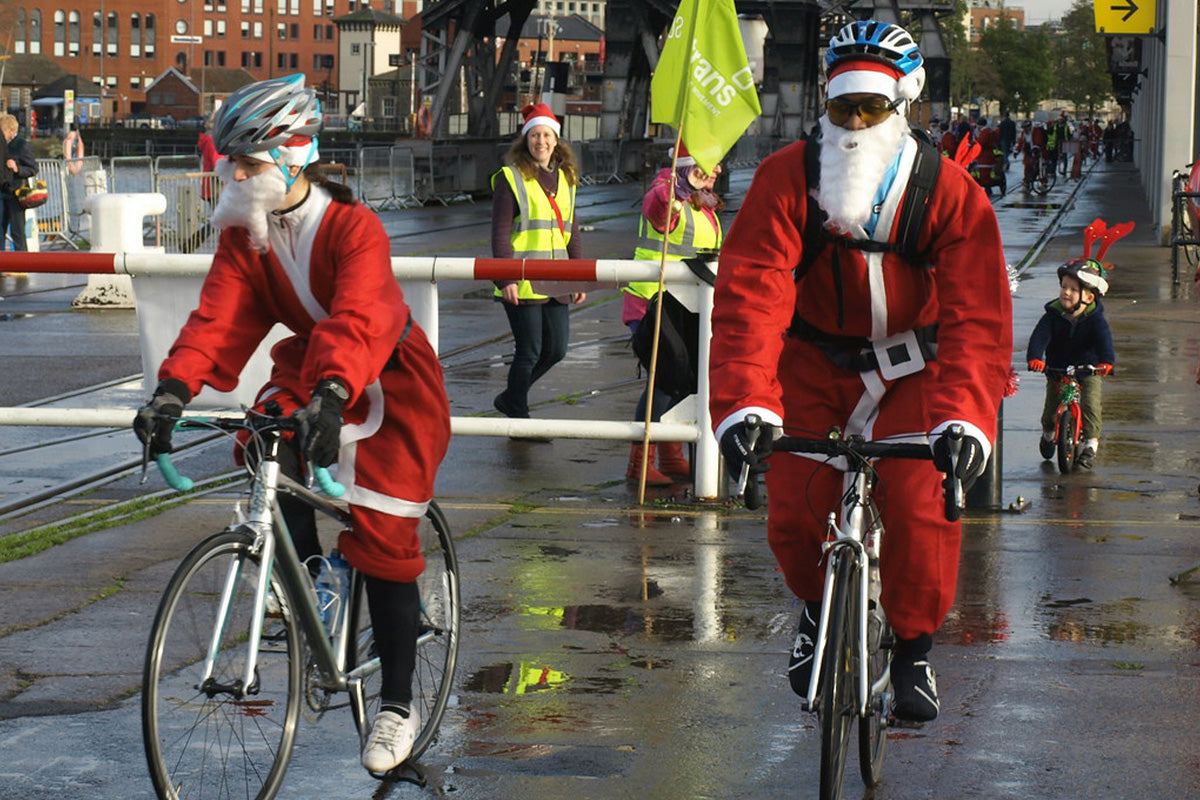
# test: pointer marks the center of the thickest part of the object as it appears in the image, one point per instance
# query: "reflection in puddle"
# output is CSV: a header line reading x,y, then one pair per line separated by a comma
x,y
1080,620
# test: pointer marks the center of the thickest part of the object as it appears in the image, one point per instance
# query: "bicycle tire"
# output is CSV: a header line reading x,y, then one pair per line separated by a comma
x,y
837,702
437,647
202,741
1066,440
873,728
1044,181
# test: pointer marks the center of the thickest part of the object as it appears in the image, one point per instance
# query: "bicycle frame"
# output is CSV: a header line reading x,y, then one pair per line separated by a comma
x,y
265,521
859,536
1069,393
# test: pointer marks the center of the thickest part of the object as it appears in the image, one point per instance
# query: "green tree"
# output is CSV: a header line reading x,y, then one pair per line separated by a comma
x,y
1023,63
1081,60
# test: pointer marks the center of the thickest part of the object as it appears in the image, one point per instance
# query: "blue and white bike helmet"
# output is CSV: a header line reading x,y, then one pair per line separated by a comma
x,y
276,119
882,43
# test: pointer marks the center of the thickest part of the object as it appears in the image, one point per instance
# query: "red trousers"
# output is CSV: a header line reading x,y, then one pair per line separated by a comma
x,y
920,548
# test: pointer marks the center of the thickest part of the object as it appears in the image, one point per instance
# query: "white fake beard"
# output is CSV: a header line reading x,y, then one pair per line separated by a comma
x,y
248,204
853,164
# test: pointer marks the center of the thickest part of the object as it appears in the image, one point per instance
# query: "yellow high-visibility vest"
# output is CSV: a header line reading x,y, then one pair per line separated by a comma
x,y
536,233
691,235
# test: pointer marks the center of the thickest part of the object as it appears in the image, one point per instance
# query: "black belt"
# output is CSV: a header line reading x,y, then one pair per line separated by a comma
x,y
855,353
393,361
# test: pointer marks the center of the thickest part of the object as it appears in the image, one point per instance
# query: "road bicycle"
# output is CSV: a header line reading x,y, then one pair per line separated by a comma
x,y
851,678
238,644
1068,417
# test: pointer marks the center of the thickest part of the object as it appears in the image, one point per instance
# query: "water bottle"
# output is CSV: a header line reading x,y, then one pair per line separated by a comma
x,y
333,586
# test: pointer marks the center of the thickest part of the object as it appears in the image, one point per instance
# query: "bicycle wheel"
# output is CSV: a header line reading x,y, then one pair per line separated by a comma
x,y
1044,181
837,709
872,729
437,642
1066,442
217,738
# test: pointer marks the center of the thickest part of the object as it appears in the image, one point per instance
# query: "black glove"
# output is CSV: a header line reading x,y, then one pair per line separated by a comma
x,y
155,421
321,422
740,449
970,464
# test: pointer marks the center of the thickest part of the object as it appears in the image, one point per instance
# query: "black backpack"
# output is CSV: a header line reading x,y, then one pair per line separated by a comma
x,y
678,341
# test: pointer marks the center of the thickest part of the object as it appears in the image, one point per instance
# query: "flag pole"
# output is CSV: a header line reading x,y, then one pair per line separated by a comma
x,y
662,277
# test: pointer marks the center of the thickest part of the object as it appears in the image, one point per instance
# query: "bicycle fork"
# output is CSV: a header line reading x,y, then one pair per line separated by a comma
x,y
847,541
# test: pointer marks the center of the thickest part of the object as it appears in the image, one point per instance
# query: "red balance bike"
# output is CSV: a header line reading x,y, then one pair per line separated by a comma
x,y
1068,419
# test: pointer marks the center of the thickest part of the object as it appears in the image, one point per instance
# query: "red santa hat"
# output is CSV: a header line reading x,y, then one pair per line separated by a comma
x,y
685,158
539,114
868,76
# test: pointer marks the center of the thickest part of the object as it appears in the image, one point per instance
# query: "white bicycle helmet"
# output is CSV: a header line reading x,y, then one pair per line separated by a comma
x,y
264,116
882,42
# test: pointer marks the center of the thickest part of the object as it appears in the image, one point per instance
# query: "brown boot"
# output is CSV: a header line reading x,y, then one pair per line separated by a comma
x,y
672,462
634,471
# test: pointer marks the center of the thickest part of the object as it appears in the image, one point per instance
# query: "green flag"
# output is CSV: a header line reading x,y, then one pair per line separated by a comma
x,y
703,84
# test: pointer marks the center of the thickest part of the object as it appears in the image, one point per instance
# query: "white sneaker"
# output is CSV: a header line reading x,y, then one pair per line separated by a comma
x,y
391,740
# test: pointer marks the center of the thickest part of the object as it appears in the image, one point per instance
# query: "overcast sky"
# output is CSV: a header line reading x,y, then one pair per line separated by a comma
x,y
1038,11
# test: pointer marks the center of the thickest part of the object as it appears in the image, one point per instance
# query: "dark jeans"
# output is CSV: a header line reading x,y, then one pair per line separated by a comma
x,y
12,222
540,332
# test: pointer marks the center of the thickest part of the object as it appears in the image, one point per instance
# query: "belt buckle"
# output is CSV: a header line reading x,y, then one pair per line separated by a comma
x,y
898,355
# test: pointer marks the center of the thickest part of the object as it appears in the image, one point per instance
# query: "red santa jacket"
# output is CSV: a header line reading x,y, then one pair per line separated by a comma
x,y
964,291
247,292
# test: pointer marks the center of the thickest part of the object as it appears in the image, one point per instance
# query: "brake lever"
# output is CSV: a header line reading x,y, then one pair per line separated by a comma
x,y
748,489
952,488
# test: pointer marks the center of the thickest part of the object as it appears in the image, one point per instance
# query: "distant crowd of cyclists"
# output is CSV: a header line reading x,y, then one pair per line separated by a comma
x,y
984,147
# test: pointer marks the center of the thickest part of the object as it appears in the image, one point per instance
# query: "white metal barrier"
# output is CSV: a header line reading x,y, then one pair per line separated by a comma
x,y
167,287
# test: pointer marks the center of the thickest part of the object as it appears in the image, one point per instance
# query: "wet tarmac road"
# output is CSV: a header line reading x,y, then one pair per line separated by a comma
x,y
611,653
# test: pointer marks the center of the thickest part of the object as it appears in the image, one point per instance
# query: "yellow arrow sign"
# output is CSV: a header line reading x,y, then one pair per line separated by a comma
x,y
1125,16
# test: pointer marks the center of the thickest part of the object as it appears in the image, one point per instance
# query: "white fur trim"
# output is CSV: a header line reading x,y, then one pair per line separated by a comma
x,y
549,122
910,86
863,81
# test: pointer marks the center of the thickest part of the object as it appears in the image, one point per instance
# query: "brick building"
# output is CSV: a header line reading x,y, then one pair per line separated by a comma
x,y
125,45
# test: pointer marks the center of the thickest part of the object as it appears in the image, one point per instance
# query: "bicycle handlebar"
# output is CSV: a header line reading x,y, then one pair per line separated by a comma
x,y
952,488
1075,370
182,483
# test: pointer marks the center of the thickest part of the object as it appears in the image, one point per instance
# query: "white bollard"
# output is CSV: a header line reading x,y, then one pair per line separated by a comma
x,y
117,221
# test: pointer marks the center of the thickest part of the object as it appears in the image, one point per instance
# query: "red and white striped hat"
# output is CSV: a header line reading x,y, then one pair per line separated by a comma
x,y
868,76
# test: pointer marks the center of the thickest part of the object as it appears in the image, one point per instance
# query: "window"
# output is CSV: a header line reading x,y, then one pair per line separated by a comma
x,y
245,30
221,28
149,36
389,107
19,38
258,8
280,30
135,36
60,33
135,82
245,6
258,30
208,28
355,49
281,8
113,30
73,33
97,33
294,8
294,30
35,31
317,31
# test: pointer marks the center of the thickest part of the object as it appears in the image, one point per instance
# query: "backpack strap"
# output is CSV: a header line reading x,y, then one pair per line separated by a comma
x,y
925,169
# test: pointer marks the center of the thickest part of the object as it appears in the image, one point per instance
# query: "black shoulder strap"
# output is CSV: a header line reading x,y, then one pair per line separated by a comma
x,y
926,166
813,235
698,264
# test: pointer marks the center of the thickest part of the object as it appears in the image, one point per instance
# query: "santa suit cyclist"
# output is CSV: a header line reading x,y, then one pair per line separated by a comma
x,y
866,340
296,249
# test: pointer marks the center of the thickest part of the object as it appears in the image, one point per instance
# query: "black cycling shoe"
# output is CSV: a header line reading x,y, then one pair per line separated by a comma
x,y
800,662
914,683
1046,447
